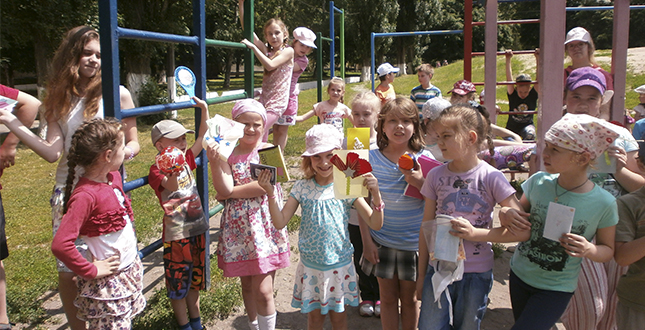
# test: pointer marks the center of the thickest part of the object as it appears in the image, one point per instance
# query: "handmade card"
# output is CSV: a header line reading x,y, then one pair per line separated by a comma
x,y
349,165
358,138
224,131
7,103
559,219
256,169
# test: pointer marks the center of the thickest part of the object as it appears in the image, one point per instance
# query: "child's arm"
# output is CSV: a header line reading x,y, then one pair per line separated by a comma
x,y
25,110
220,172
413,177
536,86
49,149
280,218
129,124
628,174
304,117
509,72
513,215
429,213
256,40
197,146
372,217
602,251
503,132
628,253
248,190
270,64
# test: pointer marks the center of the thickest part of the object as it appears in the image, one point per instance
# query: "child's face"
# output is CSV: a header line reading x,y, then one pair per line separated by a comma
x,y
321,164
165,142
335,91
364,116
431,135
584,100
397,129
641,97
300,49
90,62
577,49
449,142
557,159
523,90
456,98
274,35
118,154
390,77
424,78
253,127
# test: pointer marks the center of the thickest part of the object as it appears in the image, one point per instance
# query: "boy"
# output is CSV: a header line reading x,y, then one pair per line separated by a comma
x,y
184,221
426,90
385,90
521,97
630,251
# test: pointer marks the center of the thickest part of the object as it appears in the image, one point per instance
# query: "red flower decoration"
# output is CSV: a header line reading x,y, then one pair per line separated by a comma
x,y
355,166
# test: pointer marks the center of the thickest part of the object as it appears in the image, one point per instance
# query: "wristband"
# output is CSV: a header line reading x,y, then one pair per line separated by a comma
x,y
378,208
272,196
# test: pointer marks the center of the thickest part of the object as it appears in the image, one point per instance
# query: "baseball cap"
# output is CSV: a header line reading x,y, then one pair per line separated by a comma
x,y
321,138
305,36
640,89
578,34
463,87
386,68
523,77
586,76
169,129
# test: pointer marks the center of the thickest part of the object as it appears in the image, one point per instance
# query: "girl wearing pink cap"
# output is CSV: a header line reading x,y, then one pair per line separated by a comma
x,y
249,246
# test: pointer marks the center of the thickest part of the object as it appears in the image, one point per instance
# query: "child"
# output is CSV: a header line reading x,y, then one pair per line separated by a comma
x,y
426,90
277,60
465,188
521,97
640,108
332,111
365,110
462,91
385,90
73,95
249,246
630,252
325,278
394,262
184,221
109,286
303,42
430,112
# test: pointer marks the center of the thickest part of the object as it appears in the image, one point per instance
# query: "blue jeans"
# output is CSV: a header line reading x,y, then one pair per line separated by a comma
x,y
469,298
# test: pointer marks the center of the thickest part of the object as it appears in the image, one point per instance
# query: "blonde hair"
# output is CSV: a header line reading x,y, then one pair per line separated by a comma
x,y
285,31
63,87
463,118
368,100
307,168
591,48
338,82
426,68
401,107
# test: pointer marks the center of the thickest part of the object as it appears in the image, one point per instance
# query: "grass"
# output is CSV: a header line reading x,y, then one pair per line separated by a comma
x,y
27,187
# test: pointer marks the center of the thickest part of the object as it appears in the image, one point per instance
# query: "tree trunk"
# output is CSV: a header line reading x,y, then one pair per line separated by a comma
x,y
365,70
227,69
42,52
170,73
138,69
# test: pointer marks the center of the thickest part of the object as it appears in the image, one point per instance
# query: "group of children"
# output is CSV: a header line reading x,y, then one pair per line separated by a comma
x,y
377,244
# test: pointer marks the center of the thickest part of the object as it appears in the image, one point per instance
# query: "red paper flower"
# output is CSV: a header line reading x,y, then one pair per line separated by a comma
x,y
355,166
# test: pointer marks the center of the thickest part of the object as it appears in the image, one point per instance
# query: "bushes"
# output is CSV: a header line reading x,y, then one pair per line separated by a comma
x,y
152,93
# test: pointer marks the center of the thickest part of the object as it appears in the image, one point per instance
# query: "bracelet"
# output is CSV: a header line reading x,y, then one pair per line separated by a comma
x,y
131,152
272,196
378,208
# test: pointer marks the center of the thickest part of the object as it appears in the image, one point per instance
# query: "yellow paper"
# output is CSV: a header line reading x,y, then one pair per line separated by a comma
x,y
352,188
358,138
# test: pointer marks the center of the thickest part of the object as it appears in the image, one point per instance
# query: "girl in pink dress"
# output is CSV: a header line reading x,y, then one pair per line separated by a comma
x,y
249,246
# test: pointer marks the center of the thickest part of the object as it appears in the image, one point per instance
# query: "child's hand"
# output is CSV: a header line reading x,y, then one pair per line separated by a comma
x,y
248,44
200,103
6,116
107,266
413,177
264,180
370,182
508,53
461,228
513,220
576,245
619,153
213,153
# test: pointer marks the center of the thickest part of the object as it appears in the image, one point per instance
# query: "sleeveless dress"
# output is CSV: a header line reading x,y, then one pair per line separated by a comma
x,y
275,88
249,244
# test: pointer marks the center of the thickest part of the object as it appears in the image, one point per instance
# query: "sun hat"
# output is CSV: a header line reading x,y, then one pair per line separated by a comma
x,y
463,87
321,138
640,89
169,129
523,77
586,76
305,36
578,34
433,107
386,68
249,105
580,133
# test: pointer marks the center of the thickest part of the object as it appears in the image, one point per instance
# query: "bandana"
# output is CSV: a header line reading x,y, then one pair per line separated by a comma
x,y
581,133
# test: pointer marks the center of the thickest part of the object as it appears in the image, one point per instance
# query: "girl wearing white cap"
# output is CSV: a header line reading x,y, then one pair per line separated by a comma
x,y
386,73
326,278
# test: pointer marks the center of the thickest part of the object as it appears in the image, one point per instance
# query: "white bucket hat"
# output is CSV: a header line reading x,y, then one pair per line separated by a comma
x,y
322,137
305,36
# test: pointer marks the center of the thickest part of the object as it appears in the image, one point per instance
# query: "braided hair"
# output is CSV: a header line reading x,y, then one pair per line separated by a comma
x,y
90,140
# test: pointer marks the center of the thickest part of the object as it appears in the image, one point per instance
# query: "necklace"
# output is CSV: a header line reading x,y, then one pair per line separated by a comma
x,y
565,189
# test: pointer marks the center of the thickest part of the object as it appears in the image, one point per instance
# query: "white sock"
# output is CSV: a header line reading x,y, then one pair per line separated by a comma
x,y
253,325
267,322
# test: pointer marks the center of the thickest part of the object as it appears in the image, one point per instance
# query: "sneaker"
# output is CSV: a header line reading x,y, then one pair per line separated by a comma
x,y
377,309
366,308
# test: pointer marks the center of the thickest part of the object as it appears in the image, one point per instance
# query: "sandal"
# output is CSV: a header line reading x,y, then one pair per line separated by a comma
x,y
5,326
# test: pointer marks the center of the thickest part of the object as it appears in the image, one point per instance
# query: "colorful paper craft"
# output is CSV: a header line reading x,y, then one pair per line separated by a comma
x,y
358,138
349,165
426,163
272,156
224,131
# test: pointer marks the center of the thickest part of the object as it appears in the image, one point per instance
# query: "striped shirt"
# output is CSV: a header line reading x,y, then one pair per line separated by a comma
x,y
420,95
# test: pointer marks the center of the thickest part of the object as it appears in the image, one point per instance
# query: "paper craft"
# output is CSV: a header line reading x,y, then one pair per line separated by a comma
x,y
224,131
426,163
559,219
349,165
358,138
256,169
272,156
7,103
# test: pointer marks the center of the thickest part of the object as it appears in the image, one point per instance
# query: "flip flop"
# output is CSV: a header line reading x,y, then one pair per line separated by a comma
x,y
5,326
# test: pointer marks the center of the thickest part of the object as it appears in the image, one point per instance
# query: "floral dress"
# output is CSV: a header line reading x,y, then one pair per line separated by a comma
x,y
249,244
275,87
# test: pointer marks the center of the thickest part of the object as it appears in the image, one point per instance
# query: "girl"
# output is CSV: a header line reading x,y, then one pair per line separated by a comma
x,y
277,60
303,43
332,111
249,246
386,74
544,271
110,284
394,262
429,112
73,95
468,188
365,109
325,278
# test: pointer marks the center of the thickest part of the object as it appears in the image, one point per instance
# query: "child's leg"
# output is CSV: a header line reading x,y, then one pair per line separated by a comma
x,y
280,135
470,297
389,289
431,316
263,291
248,297
409,304
614,273
534,308
272,117
192,302
315,320
179,307
338,320
367,284
67,290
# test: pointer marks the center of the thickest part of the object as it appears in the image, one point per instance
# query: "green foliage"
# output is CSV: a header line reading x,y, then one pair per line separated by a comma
x,y
294,224
152,93
498,250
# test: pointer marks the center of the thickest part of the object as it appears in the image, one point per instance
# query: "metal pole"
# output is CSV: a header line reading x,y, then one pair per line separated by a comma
x,y
372,59
249,60
108,29
319,59
342,44
468,39
332,48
